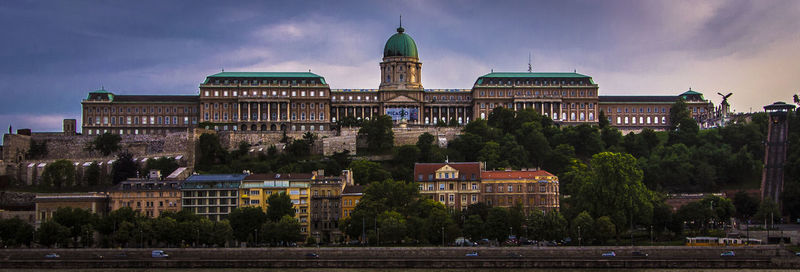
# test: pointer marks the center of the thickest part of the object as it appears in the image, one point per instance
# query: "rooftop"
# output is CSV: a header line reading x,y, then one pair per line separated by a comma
x,y
216,177
517,174
637,98
533,75
280,176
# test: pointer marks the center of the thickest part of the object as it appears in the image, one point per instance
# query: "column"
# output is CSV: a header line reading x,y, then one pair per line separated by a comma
x,y
337,114
239,111
259,112
289,111
278,105
249,116
448,114
269,112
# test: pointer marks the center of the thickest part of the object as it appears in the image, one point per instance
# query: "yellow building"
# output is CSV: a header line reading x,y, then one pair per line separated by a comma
x,y
533,189
351,195
47,204
256,189
149,197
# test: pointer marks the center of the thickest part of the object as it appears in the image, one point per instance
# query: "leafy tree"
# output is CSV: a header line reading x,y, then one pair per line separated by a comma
x,y
287,230
163,164
92,174
366,172
59,174
378,131
610,136
15,232
473,227
123,168
768,211
490,153
425,145
210,151
106,143
245,221
221,233
242,150
502,118
555,226
613,187
586,223
52,233
602,119
392,226
497,225
746,205
76,220
604,229
279,205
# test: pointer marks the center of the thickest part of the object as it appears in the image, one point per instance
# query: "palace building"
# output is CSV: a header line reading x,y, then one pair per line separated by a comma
x,y
303,101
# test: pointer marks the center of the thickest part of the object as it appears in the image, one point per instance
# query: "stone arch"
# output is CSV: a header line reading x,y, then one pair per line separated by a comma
x,y
244,128
272,127
253,127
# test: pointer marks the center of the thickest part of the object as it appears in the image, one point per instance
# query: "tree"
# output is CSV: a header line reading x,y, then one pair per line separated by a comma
x,y
124,168
52,233
392,226
15,232
106,143
378,131
613,187
59,174
746,205
602,119
165,165
287,230
279,205
92,174
604,229
366,172
245,222
497,225
473,227
425,145
768,211
76,221
210,151
502,118
582,226
490,153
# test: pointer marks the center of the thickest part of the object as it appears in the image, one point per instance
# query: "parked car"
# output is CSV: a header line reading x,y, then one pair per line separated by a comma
x,y
639,254
312,255
797,254
472,254
609,254
52,256
728,254
159,254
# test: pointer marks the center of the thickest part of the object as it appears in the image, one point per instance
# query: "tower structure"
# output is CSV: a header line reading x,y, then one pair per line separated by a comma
x,y
776,147
400,92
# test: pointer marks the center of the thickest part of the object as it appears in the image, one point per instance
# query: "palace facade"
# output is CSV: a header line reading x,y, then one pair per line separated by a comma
x,y
303,101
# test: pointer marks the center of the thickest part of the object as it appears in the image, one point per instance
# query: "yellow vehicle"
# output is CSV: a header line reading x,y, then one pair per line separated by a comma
x,y
716,241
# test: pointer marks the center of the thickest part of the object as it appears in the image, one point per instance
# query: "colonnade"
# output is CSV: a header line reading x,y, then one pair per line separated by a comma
x,y
260,111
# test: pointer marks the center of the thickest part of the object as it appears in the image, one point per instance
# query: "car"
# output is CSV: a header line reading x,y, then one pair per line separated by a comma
x,y
472,254
514,255
52,256
609,254
797,254
159,254
312,255
727,254
98,256
639,254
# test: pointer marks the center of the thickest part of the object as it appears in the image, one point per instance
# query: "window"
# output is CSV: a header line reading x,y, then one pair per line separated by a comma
x,y
441,186
488,188
510,188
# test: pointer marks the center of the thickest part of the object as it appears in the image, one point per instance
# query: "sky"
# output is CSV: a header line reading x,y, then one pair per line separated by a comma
x,y
54,52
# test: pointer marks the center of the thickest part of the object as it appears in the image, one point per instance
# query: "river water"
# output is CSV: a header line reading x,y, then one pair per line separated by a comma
x,y
388,270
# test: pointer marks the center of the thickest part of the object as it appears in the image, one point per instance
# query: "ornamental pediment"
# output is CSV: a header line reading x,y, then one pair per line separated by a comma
x,y
401,99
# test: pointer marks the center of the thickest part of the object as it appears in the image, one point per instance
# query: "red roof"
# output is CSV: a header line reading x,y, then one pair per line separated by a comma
x,y
465,169
514,174
353,189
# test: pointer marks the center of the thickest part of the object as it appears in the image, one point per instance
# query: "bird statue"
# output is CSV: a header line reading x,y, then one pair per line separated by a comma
x,y
725,97
796,100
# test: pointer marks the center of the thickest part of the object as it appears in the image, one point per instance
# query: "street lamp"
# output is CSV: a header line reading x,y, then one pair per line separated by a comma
x,y
443,236
579,236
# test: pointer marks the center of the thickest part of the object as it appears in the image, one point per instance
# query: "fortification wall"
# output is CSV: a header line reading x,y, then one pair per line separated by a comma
x,y
72,146
231,139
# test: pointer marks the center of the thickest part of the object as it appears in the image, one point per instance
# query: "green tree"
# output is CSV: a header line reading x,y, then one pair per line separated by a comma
x,y
490,153
502,118
245,222
768,212
105,143
613,187
602,119
604,229
366,172
163,164
92,174
583,226
473,227
287,230
123,168
76,221
497,225
279,205
378,131
210,152
52,233
746,205
425,145
59,174
15,232
392,226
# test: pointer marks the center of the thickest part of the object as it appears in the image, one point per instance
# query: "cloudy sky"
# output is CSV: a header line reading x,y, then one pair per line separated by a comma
x,y
54,52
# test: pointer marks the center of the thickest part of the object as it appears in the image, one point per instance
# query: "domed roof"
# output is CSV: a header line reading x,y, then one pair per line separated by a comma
x,y
400,45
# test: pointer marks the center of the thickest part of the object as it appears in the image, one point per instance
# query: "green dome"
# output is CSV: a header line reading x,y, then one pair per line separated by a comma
x,y
400,45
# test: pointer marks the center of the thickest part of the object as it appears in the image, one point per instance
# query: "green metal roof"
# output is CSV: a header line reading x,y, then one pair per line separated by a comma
x,y
690,92
271,75
400,45
533,75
